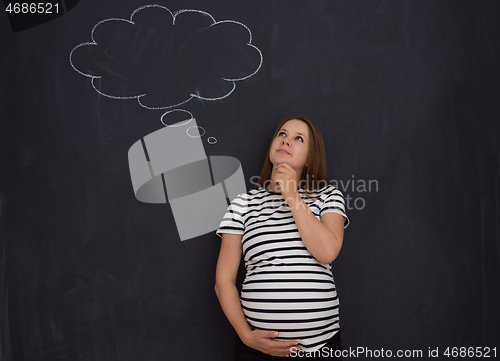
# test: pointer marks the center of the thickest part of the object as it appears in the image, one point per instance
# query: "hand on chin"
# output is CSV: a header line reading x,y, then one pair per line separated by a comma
x,y
285,178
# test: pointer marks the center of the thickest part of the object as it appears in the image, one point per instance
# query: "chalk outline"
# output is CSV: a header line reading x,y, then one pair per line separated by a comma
x,y
198,129
179,123
174,15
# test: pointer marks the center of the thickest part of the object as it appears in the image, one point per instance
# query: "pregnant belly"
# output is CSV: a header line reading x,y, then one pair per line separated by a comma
x,y
305,311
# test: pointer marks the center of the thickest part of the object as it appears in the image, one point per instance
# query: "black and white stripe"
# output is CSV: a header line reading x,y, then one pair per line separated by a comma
x,y
285,289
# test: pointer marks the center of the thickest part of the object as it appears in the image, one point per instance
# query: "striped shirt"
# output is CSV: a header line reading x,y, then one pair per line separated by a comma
x,y
285,288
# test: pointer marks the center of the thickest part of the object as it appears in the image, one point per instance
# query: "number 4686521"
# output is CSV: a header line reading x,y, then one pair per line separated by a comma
x,y
470,352
32,8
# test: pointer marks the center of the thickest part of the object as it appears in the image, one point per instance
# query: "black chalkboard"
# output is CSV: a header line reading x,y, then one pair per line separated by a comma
x,y
405,94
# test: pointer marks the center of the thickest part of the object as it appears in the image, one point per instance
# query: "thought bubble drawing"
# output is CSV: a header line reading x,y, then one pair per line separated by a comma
x,y
196,186
164,60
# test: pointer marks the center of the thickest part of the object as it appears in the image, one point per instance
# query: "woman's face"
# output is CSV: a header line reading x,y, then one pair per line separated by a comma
x,y
291,145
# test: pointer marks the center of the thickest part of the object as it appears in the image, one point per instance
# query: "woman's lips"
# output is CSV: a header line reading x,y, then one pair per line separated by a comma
x,y
283,151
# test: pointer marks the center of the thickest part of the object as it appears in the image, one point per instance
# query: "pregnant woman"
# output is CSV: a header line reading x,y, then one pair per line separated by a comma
x,y
289,228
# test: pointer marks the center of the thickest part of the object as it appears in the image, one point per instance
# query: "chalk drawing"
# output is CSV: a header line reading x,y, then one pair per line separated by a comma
x,y
195,129
179,123
143,58
119,55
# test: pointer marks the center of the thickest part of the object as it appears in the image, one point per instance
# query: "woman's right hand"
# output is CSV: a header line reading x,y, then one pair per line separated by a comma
x,y
263,341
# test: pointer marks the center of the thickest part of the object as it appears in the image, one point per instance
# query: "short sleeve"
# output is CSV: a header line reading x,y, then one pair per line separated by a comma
x,y
334,202
233,218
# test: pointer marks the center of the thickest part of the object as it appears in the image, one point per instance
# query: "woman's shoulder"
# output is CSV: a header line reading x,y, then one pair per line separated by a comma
x,y
324,191
252,194
329,189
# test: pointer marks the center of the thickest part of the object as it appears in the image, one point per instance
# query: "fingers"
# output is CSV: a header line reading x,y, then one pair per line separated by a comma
x,y
284,169
269,334
275,347
283,348
283,166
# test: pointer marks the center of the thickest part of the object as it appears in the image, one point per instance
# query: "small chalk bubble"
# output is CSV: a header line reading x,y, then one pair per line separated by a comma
x,y
195,131
174,119
211,140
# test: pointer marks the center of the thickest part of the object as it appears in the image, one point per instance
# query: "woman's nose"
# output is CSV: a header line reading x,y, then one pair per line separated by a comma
x,y
286,141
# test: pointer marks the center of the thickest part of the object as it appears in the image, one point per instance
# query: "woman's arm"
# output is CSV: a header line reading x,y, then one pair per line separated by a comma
x,y
323,239
225,282
227,293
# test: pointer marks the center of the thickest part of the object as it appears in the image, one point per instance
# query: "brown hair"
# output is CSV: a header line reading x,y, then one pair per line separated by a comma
x,y
314,175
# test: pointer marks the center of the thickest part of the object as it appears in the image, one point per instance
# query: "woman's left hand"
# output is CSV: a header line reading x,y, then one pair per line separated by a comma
x,y
285,178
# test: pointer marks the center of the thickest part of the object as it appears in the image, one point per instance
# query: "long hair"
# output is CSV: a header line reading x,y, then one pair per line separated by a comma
x,y
314,175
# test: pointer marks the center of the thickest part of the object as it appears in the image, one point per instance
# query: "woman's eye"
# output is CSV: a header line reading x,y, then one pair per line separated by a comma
x,y
282,133
300,138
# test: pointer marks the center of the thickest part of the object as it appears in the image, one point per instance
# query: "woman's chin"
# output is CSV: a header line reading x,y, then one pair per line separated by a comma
x,y
281,158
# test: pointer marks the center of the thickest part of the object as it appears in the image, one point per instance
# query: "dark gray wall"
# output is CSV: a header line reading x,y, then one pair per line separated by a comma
x,y
405,93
